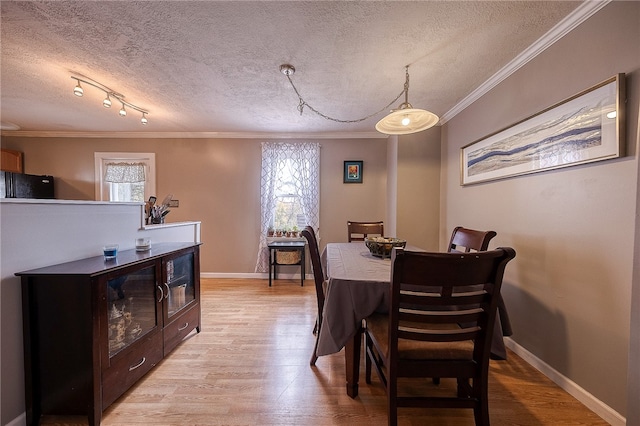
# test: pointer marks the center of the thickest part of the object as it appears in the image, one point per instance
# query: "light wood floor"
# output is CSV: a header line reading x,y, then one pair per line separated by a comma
x,y
250,366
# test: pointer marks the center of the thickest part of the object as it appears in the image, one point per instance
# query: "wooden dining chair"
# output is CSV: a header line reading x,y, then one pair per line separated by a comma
x,y
467,240
421,336
318,277
358,231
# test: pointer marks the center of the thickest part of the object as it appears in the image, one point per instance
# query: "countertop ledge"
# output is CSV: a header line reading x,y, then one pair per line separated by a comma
x,y
171,224
56,201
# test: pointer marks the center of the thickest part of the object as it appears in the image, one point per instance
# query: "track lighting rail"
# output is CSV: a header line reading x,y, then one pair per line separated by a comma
x,y
109,93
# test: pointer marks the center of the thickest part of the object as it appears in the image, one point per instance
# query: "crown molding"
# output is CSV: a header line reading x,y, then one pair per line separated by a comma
x,y
190,135
583,12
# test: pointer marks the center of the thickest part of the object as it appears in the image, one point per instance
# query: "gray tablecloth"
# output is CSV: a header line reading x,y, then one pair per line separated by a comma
x,y
358,285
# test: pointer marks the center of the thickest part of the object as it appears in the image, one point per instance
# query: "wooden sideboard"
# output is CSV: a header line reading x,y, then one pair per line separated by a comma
x,y
94,327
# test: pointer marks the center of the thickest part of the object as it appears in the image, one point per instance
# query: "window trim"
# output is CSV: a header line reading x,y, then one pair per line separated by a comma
x,y
101,158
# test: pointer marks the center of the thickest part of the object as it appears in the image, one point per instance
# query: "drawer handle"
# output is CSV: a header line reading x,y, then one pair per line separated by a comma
x,y
161,294
133,367
166,296
186,324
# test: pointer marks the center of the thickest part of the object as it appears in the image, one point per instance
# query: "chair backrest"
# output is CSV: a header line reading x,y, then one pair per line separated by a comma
x,y
358,231
467,240
446,297
318,274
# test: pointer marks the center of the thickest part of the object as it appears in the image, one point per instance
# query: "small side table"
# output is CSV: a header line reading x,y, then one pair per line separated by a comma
x,y
284,246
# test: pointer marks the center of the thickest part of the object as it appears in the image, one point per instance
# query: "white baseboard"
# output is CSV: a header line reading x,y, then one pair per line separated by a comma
x,y
607,413
21,420
254,275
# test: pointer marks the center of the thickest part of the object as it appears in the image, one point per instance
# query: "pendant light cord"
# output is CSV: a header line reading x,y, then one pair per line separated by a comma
x,y
304,103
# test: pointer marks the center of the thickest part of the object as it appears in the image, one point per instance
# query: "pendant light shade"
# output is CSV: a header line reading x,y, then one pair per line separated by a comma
x,y
406,119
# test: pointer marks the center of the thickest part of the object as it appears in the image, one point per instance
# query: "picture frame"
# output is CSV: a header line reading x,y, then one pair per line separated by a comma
x,y
584,128
353,171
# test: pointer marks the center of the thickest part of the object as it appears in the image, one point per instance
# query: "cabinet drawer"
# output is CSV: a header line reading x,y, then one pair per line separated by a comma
x,y
180,327
128,367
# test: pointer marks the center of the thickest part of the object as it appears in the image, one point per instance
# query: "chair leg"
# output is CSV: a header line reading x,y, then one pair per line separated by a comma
x,y
367,360
464,388
480,390
392,404
481,413
314,357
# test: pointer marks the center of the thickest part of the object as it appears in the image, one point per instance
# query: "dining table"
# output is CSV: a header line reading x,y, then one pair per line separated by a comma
x,y
359,284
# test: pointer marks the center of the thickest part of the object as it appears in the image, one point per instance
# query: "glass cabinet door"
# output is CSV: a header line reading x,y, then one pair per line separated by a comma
x,y
179,281
131,307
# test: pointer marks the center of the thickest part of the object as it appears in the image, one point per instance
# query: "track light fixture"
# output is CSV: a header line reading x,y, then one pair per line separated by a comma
x,y
401,121
109,93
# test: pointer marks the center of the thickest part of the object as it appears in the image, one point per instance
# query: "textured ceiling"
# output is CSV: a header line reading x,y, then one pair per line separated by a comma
x,y
213,66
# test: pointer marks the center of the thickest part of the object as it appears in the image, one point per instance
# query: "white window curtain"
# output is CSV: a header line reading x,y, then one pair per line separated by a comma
x,y
305,162
124,172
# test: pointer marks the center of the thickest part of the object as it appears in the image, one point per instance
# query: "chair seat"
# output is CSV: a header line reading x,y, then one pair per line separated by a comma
x,y
378,327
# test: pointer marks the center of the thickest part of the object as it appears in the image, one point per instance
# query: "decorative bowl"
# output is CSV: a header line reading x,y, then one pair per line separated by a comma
x,y
382,246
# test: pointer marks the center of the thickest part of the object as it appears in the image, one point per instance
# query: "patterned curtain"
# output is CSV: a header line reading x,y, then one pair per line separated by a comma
x,y
124,172
305,162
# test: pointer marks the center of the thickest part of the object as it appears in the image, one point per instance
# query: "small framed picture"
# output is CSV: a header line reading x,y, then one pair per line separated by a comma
x,y
352,172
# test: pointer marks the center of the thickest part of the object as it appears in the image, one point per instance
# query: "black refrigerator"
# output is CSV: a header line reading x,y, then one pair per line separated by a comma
x,y
20,185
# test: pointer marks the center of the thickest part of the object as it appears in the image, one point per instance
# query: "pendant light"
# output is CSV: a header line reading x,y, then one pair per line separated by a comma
x,y
406,119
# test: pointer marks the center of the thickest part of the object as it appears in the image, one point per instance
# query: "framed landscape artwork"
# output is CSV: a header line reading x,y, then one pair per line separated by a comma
x,y
352,172
585,128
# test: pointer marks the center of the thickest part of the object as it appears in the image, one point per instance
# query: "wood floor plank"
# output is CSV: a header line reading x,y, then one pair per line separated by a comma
x,y
250,366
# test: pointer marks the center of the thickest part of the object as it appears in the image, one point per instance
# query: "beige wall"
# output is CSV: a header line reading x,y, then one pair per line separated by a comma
x,y
217,181
418,184
569,289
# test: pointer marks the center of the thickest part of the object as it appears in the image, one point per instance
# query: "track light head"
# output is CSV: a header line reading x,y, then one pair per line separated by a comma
x,y
144,120
107,102
122,111
78,91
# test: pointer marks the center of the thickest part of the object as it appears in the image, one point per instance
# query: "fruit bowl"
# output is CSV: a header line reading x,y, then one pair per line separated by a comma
x,y
382,246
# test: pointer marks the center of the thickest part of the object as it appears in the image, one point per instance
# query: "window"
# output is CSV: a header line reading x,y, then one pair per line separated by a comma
x,y
288,211
125,176
290,190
